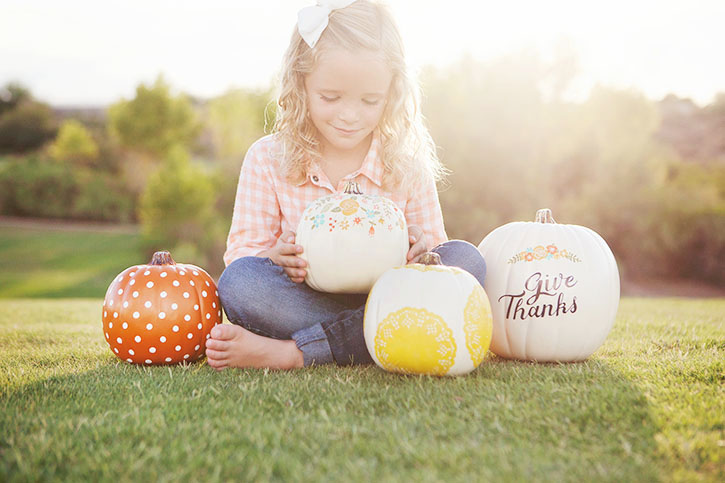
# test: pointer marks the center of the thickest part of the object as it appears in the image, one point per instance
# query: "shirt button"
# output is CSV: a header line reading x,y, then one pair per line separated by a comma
x,y
315,178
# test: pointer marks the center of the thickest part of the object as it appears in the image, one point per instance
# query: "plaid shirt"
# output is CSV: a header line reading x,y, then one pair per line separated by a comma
x,y
267,205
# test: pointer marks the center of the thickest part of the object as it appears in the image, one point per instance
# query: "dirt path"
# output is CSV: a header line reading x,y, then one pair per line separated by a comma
x,y
65,225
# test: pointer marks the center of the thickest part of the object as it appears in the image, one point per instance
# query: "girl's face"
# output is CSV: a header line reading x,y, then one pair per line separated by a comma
x,y
347,92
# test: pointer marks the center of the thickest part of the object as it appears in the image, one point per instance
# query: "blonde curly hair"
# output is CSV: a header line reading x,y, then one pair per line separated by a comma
x,y
409,154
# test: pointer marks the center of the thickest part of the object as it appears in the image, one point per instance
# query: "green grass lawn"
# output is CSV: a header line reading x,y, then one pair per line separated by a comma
x,y
649,405
55,262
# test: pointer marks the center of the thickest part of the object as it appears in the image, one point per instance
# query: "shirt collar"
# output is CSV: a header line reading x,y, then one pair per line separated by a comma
x,y
372,166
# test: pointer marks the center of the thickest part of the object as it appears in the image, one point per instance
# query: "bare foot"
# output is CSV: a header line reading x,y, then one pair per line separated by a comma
x,y
234,346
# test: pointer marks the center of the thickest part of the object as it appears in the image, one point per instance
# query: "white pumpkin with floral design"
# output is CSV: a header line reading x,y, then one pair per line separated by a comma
x,y
350,239
427,318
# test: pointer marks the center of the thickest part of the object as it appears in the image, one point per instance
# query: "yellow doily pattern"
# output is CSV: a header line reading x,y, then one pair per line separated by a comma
x,y
415,341
432,268
477,325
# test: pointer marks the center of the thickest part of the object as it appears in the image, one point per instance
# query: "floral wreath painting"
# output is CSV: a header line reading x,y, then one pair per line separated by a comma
x,y
549,252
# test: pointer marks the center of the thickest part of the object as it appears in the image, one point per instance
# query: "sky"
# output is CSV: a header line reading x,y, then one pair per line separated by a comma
x,y
90,53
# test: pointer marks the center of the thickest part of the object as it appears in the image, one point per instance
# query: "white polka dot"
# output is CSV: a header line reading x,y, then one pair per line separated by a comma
x,y
152,350
110,325
125,305
119,340
125,325
213,305
163,274
162,315
162,338
137,338
147,273
168,359
119,279
135,295
147,304
176,283
129,360
132,282
163,295
186,295
208,335
195,273
149,326
133,274
120,291
192,283
186,356
187,317
148,361
197,347
110,304
207,283
150,284
105,314
174,306
177,348
115,315
203,293
181,272
216,292
189,335
136,315
175,328
199,326
107,335
196,306
208,316
219,313
115,350
130,351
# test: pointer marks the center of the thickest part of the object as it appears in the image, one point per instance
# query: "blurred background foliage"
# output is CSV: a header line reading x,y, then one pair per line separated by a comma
x,y
649,176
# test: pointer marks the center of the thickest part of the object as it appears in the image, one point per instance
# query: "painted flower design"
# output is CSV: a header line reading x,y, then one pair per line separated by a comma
x,y
550,252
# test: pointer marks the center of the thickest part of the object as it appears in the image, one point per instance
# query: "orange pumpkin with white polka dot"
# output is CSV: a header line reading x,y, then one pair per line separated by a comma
x,y
160,313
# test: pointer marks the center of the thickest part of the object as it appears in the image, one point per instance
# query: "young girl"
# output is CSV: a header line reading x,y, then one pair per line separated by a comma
x,y
347,111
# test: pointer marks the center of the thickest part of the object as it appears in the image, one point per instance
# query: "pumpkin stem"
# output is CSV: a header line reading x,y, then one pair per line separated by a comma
x,y
352,188
430,258
162,258
544,216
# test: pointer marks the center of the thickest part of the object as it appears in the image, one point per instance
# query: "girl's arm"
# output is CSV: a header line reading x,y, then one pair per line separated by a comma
x,y
256,222
424,210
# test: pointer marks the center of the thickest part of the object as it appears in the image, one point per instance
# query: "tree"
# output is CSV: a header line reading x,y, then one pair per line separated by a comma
x,y
75,144
176,208
235,120
26,127
12,95
154,120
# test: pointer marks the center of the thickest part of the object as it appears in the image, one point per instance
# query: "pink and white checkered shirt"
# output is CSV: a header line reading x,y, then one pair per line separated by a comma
x,y
267,205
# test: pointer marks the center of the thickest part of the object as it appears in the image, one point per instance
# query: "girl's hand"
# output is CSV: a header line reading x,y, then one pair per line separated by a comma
x,y
285,254
418,243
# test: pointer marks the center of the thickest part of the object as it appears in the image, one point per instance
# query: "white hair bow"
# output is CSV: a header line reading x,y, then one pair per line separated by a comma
x,y
311,21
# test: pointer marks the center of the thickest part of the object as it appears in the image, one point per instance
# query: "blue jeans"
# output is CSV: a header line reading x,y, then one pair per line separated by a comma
x,y
259,296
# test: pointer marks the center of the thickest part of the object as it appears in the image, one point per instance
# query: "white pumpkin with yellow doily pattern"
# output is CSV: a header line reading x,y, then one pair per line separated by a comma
x,y
427,318
336,232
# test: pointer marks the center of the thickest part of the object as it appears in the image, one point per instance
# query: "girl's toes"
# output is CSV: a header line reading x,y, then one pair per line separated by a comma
x,y
217,345
216,364
225,331
212,354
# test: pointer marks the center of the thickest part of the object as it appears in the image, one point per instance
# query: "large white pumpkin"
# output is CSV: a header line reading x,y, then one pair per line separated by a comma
x,y
427,318
350,239
554,289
